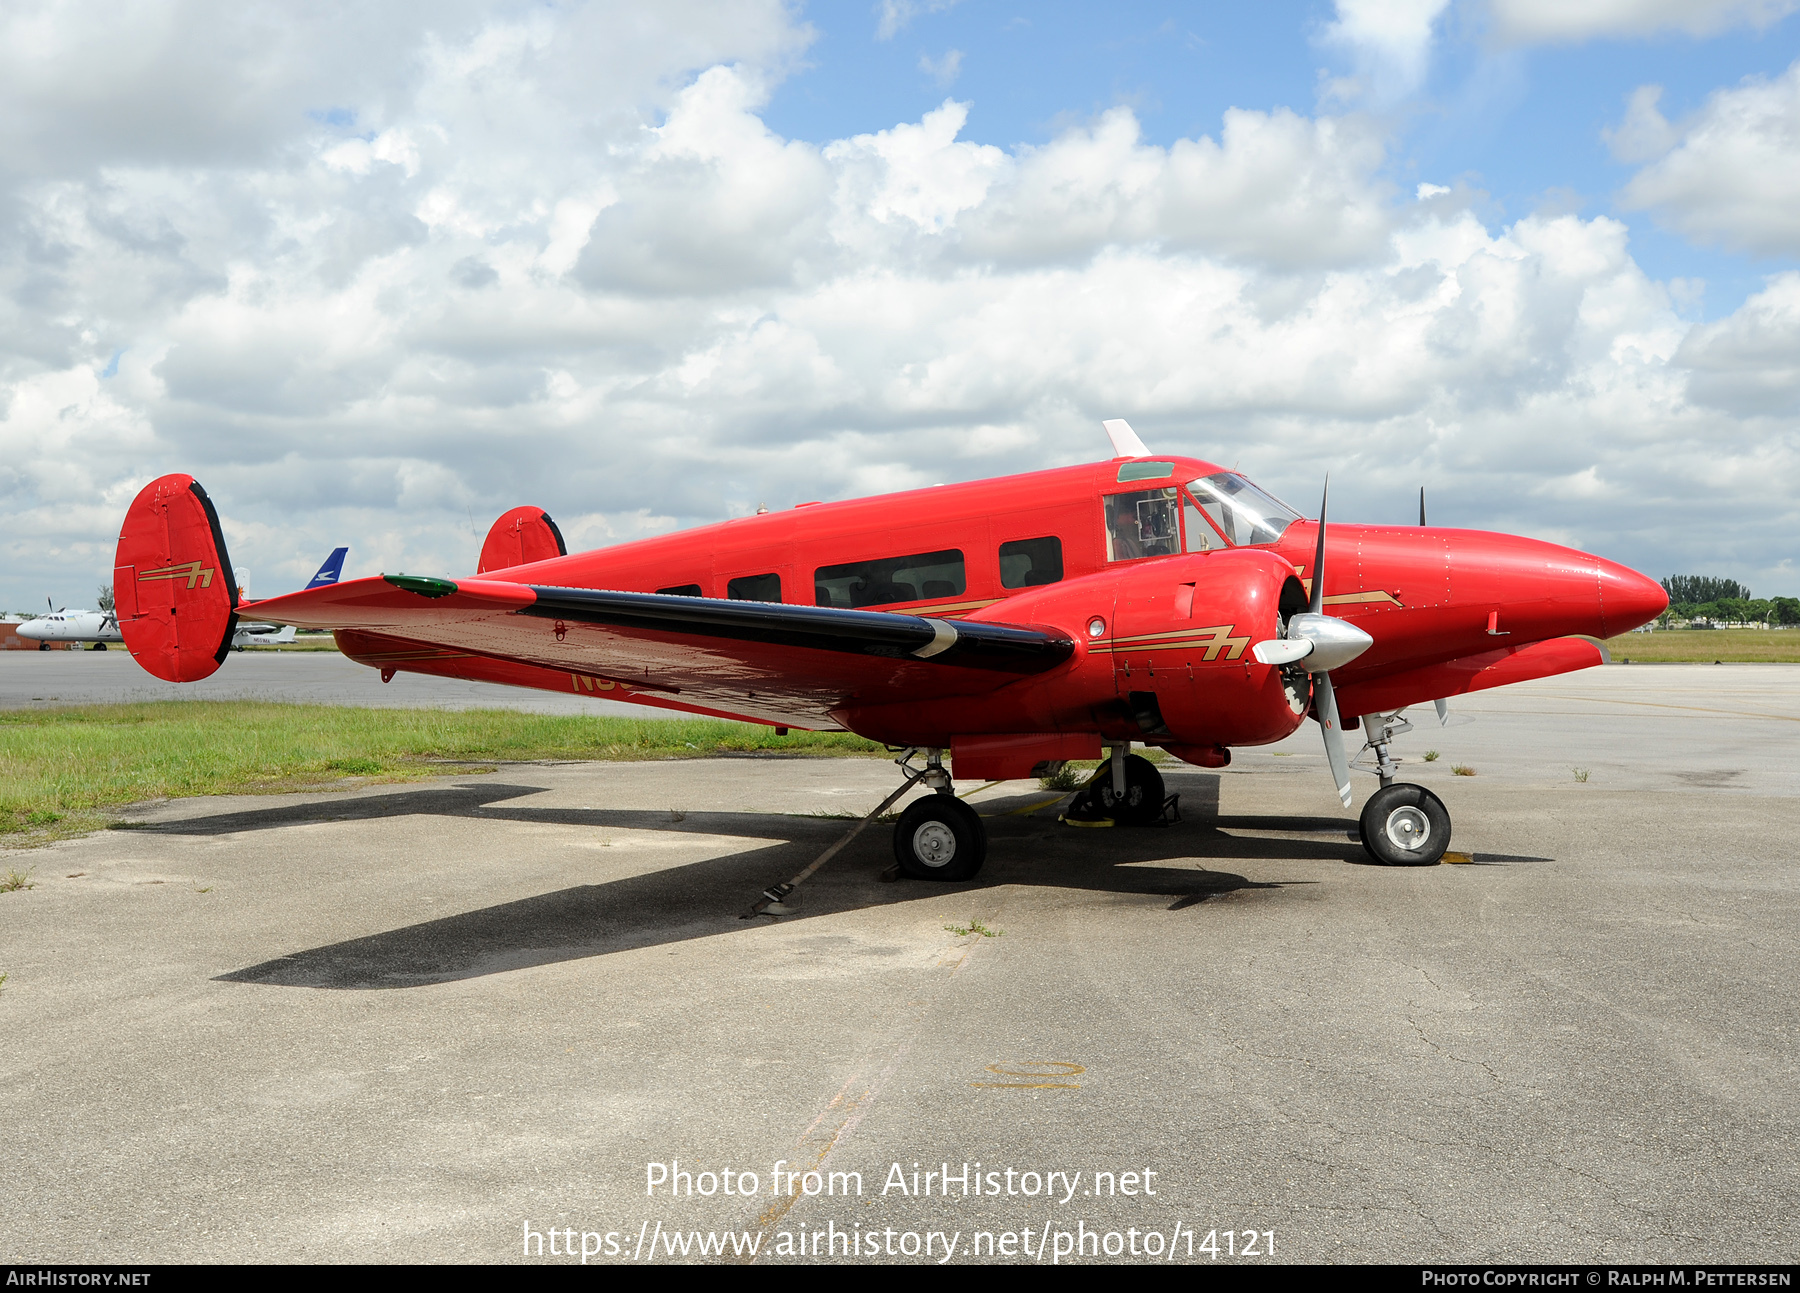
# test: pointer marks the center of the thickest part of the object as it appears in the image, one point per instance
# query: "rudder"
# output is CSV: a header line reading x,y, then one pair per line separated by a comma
x,y
521,536
174,588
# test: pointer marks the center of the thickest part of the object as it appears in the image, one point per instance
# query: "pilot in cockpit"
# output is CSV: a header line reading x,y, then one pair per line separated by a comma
x,y
1124,535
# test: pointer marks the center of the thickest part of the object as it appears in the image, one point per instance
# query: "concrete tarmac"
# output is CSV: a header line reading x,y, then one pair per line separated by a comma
x,y
427,1022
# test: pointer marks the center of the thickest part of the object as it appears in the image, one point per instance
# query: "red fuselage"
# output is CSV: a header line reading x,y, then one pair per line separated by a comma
x,y
1161,597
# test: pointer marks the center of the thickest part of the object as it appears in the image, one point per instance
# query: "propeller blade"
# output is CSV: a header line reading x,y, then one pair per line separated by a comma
x,y
1318,587
1421,505
1282,650
1443,709
1325,706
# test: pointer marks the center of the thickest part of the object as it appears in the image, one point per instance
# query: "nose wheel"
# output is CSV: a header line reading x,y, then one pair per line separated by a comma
x,y
1405,825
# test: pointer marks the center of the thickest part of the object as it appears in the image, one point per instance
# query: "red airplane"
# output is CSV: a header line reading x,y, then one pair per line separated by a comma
x,y
1016,623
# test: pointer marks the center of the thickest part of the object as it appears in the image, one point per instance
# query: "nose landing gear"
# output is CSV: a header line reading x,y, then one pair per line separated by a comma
x,y
1402,824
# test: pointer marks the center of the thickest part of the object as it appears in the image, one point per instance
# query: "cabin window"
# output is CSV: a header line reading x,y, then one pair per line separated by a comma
x,y
917,578
1142,524
1026,563
1243,513
693,590
754,588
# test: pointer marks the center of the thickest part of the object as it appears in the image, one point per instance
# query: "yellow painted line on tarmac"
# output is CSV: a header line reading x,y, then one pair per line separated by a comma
x,y
1030,808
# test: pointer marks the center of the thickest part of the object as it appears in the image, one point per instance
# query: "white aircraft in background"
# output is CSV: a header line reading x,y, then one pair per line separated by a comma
x,y
99,627
66,625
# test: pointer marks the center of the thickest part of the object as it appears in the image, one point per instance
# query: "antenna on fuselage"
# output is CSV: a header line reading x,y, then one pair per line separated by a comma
x,y
1125,441
1421,505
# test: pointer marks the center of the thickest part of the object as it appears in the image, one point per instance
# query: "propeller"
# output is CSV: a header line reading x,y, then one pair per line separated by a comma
x,y
1320,643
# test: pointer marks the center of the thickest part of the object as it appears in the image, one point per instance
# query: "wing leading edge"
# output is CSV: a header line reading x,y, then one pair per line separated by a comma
x,y
773,661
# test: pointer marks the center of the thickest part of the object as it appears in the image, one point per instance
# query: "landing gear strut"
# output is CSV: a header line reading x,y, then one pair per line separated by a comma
x,y
1402,824
939,837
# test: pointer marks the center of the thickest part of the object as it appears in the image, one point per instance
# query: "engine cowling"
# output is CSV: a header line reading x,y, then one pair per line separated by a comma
x,y
1180,644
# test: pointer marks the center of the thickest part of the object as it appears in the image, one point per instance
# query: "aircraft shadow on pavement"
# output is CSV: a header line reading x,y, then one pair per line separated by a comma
x,y
705,898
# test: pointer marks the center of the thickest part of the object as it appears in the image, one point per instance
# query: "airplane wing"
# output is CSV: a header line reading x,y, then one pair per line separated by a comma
x,y
776,662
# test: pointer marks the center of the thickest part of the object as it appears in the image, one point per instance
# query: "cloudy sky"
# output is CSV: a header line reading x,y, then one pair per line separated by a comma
x,y
375,273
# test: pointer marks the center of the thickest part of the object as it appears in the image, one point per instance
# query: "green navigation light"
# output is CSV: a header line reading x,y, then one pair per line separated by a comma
x,y
423,585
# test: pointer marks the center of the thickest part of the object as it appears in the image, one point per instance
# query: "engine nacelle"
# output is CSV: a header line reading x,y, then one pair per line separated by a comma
x,y
1180,644
1162,656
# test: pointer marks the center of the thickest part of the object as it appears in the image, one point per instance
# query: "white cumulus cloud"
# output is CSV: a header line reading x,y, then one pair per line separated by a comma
x,y
1389,41
1730,174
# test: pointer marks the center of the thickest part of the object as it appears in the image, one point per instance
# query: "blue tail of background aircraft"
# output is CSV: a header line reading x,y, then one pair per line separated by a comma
x,y
328,573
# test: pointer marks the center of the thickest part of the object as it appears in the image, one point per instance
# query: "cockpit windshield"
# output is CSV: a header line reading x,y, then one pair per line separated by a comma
x,y
1243,513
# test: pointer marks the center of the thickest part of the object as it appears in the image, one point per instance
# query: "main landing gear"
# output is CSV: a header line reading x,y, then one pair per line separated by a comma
x,y
939,837
1402,824
1125,789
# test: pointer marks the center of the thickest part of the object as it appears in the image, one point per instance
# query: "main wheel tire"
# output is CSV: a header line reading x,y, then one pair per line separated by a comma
x,y
1405,825
1143,791
940,837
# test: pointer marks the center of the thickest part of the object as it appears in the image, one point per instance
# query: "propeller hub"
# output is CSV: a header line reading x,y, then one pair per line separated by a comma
x,y
1335,642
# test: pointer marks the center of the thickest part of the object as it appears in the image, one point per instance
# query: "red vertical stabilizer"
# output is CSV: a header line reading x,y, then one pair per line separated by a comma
x,y
173,584
521,536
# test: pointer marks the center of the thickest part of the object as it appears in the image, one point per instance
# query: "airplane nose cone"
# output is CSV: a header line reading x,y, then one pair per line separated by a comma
x,y
30,631
1628,599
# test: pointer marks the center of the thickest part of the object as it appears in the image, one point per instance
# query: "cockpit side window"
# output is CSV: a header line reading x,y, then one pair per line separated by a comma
x,y
1201,537
1243,513
1142,524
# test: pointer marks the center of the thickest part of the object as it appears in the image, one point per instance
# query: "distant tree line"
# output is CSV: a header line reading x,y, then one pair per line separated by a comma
x,y
1715,600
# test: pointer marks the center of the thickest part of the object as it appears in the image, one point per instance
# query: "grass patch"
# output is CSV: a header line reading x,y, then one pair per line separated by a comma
x,y
13,881
1581,774
975,927
1462,770
1431,756
1703,646
65,771
1066,778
